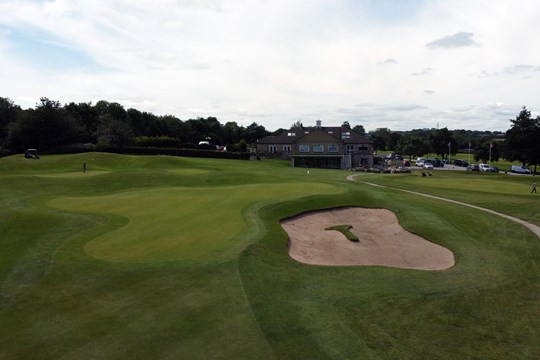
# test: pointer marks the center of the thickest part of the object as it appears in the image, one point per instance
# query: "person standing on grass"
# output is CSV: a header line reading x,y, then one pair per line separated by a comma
x,y
84,168
533,187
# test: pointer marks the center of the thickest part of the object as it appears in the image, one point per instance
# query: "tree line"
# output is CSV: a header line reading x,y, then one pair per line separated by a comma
x,y
51,125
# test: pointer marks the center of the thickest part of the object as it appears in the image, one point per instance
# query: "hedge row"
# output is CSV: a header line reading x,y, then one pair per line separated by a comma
x,y
135,150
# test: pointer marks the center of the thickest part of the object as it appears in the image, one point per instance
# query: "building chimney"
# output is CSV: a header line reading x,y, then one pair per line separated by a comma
x,y
318,124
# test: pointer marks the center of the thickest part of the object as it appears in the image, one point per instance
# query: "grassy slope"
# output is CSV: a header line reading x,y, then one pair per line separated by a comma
x,y
56,301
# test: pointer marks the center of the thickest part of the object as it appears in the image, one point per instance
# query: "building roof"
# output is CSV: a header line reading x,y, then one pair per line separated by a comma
x,y
340,133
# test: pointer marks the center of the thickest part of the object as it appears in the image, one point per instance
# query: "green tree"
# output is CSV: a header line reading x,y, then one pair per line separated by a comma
x,y
87,119
346,125
115,132
359,129
441,142
254,132
8,114
522,139
412,145
45,127
487,151
380,138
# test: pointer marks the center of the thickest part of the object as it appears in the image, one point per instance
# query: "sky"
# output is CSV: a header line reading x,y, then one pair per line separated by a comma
x,y
402,65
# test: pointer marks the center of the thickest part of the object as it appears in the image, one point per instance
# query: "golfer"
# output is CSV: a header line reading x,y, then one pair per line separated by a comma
x,y
533,187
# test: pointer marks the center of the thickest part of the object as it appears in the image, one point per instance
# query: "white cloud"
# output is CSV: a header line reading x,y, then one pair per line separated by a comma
x,y
460,39
276,61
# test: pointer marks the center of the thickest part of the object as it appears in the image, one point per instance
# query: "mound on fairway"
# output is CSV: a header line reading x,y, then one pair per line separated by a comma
x,y
382,241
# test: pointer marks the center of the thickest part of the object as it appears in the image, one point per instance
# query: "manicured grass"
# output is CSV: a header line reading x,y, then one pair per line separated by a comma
x,y
345,230
166,258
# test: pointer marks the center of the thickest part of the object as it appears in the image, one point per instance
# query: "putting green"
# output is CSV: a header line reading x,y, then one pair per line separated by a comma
x,y
179,223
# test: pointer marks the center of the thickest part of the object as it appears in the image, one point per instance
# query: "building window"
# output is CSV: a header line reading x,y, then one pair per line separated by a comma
x,y
287,149
319,148
333,148
303,148
362,147
350,149
345,135
273,149
291,134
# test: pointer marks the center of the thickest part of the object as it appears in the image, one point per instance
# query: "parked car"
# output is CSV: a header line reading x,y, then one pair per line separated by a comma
x,y
473,167
406,162
437,162
419,162
428,165
484,167
494,169
459,162
520,169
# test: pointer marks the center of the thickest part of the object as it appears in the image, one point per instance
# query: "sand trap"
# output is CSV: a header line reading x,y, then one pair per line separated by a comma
x,y
382,241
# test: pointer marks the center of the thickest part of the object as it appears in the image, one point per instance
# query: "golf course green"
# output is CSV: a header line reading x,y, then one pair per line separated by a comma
x,y
159,257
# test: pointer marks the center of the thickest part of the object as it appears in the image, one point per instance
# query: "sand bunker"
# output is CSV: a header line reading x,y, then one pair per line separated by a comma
x,y
382,241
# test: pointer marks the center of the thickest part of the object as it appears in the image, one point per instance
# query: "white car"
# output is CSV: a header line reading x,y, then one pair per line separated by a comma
x,y
428,165
420,162
484,167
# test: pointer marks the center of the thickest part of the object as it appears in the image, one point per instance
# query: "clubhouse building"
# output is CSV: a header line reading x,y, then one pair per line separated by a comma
x,y
319,147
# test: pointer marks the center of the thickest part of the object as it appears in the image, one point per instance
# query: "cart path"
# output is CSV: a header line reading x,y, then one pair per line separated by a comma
x,y
534,228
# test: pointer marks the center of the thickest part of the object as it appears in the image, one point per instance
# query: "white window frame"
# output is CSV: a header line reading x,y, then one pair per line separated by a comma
x,y
287,149
303,148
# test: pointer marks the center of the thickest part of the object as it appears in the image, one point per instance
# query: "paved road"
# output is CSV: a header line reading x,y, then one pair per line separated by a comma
x,y
534,228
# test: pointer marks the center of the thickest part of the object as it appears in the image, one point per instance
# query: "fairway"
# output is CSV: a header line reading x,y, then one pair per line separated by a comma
x,y
158,257
178,223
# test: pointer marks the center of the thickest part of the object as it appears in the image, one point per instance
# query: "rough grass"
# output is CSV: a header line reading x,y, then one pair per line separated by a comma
x,y
164,257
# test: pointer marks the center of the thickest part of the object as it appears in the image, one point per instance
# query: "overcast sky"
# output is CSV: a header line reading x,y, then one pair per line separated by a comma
x,y
399,64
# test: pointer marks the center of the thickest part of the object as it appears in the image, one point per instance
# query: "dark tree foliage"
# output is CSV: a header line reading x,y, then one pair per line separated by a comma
x,y
487,151
440,139
87,118
45,127
359,129
115,132
413,145
381,138
8,114
346,125
522,142
255,132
